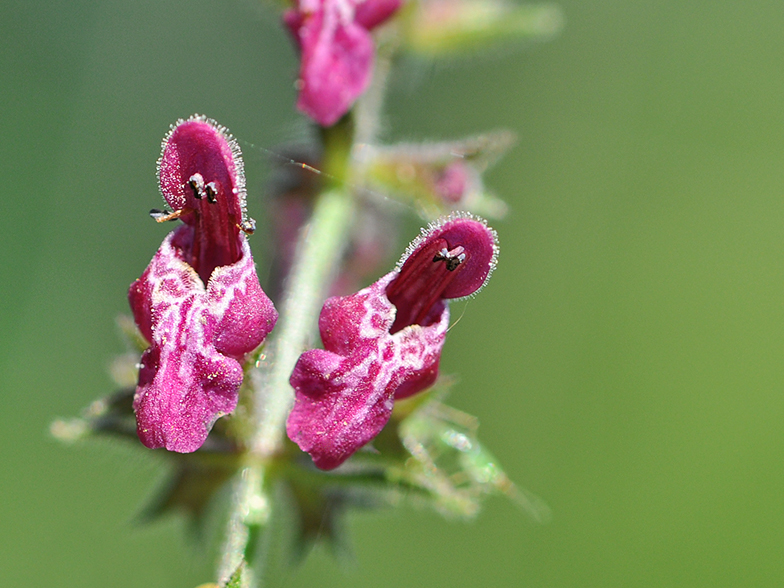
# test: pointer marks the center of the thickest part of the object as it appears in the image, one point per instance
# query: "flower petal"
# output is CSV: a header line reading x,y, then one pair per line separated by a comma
x,y
337,59
337,52
345,393
248,315
191,374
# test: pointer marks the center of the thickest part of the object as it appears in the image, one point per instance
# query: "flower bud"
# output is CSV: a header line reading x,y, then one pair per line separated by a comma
x,y
438,178
448,28
337,52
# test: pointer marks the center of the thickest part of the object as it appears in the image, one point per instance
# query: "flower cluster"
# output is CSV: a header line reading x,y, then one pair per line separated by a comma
x,y
207,332
202,312
200,306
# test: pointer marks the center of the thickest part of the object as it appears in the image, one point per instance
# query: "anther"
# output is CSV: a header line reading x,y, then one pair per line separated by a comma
x,y
212,192
196,182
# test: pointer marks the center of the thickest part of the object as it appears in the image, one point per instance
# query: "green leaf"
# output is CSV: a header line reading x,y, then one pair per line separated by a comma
x,y
448,28
438,177
454,467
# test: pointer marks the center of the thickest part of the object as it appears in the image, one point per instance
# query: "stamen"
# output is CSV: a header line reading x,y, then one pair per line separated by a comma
x,y
212,190
196,182
162,216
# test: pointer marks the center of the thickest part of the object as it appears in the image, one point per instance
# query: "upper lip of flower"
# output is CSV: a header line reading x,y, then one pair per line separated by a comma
x,y
202,179
452,258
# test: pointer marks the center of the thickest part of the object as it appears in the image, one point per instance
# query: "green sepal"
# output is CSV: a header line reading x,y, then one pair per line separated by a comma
x,y
432,453
189,489
449,462
417,173
319,519
111,416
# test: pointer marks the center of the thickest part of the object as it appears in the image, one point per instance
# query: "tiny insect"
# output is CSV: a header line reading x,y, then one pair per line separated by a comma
x,y
247,226
163,216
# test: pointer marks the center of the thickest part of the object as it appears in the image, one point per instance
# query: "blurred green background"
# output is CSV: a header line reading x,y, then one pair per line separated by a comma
x,y
625,360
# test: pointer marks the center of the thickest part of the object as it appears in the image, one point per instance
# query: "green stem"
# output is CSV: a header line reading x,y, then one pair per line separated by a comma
x,y
368,109
249,515
316,261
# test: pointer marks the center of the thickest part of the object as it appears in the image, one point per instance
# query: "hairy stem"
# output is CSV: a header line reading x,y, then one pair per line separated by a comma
x,y
318,254
317,258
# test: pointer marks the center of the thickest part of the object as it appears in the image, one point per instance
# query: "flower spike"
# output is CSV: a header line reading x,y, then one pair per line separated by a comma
x,y
199,302
384,342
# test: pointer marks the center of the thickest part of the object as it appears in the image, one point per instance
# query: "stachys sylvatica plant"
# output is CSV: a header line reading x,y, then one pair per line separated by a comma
x,y
226,375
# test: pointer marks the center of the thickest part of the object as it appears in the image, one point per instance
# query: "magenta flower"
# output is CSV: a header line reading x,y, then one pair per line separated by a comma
x,y
337,52
199,302
384,342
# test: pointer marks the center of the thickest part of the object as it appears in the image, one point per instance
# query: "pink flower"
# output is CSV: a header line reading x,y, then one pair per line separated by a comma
x,y
384,342
199,302
337,52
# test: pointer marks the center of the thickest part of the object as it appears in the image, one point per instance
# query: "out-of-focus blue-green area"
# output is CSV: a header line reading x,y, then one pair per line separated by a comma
x,y
625,360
